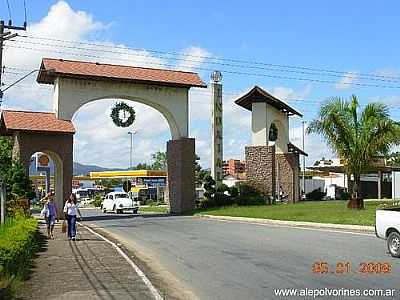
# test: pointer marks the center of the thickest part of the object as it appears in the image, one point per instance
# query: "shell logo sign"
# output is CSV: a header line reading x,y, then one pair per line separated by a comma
x,y
43,160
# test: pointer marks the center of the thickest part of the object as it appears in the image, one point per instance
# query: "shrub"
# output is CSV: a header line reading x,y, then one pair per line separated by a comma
x,y
98,200
18,243
250,200
315,195
233,191
209,186
221,188
345,196
222,199
206,203
248,190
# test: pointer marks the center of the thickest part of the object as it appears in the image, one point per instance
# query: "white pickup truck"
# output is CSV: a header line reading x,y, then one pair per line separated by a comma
x,y
387,226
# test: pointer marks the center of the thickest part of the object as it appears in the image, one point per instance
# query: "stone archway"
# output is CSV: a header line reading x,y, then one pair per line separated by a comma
x,y
77,83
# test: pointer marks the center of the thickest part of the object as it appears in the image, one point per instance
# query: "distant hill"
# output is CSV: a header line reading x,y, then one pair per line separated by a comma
x,y
79,169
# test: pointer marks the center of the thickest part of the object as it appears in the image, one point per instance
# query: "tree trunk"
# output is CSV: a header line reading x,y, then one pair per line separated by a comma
x,y
356,201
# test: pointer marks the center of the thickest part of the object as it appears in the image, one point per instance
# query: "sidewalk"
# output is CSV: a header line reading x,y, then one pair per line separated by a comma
x,y
85,269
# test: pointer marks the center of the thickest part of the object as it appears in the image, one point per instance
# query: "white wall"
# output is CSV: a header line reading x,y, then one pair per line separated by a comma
x,y
263,115
312,184
171,102
395,185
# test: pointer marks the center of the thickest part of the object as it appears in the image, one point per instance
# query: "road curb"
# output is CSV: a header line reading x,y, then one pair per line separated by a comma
x,y
356,228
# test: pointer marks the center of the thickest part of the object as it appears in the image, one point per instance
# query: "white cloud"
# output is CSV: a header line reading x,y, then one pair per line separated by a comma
x,y
347,81
192,58
98,140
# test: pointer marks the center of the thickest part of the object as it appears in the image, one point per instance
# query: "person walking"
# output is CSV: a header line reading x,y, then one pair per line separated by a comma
x,y
49,212
71,211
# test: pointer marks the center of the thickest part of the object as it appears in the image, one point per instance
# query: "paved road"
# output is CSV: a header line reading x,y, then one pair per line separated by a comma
x,y
230,260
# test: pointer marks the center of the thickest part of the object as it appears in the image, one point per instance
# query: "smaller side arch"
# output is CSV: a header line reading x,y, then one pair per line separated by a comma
x,y
59,147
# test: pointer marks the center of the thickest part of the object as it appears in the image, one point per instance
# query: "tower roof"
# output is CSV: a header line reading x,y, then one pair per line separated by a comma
x,y
257,94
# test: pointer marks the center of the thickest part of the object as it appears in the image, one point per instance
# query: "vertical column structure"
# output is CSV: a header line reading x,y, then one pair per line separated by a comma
x,y
216,138
181,181
379,184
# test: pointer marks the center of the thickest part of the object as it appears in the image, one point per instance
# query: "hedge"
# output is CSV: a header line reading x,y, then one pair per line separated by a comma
x,y
18,243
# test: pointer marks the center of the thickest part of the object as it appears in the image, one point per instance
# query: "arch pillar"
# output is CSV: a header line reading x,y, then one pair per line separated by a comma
x,y
181,179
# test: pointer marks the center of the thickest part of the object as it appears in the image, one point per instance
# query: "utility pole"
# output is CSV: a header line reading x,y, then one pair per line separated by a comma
x,y
304,161
4,36
2,202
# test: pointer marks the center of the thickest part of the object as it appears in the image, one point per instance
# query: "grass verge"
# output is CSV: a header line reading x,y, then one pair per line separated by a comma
x,y
334,212
19,241
154,209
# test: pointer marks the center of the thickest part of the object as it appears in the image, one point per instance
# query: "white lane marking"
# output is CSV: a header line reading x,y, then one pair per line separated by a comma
x,y
294,227
138,271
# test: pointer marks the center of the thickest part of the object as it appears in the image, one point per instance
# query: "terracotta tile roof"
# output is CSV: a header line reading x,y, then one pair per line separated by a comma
x,y
257,94
34,121
53,68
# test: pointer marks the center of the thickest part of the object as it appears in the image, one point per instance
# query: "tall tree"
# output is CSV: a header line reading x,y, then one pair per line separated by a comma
x,y
13,172
159,160
356,136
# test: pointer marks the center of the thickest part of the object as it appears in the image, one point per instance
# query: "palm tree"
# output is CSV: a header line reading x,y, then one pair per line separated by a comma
x,y
357,137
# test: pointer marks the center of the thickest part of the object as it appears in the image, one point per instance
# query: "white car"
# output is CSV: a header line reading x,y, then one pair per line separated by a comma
x,y
387,226
117,202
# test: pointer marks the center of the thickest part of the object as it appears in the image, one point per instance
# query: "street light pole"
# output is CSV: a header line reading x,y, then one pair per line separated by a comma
x,y
304,160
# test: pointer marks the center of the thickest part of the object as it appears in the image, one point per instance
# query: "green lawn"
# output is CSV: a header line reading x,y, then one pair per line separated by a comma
x,y
317,211
153,209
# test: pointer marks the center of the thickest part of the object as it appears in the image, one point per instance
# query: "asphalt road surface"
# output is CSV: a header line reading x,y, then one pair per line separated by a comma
x,y
231,260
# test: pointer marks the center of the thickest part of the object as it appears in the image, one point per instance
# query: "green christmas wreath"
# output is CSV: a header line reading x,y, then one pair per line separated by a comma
x,y
127,112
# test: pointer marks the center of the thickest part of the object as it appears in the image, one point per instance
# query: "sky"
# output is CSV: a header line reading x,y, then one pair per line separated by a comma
x,y
286,47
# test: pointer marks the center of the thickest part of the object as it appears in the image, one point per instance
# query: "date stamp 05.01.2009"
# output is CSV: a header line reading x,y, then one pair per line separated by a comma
x,y
345,267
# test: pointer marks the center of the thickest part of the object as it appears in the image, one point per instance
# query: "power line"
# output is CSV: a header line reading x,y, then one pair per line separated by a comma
x,y
142,53
210,70
25,14
205,57
9,10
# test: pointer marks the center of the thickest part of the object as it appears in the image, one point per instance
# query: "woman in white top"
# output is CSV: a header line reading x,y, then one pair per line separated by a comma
x,y
71,211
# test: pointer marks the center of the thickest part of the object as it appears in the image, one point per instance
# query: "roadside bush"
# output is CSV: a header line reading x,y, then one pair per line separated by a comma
x,y
209,186
248,190
206,203
18,243
250,200
234,191
97,201
315,195
221,188
345,196
247,195
222,199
